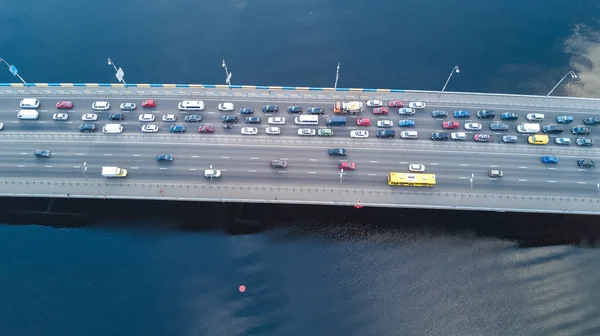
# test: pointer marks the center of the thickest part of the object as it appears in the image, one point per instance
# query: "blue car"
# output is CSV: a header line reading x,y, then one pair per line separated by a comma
x,y
462,114
164,157
177,129
564,119
406,123
247,110
549,159
509,116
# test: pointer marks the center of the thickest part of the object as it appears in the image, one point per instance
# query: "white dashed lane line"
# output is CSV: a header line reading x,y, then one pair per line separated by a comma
x,y
134,168
223,157
463,177
24,153
434,163
372,174
521,167
581,182
137,155
79,154
552,181
162,168
313,160
21,166
372,161
107,154
195,156
193,169
312,172
522,180
48,166
253,158
252,171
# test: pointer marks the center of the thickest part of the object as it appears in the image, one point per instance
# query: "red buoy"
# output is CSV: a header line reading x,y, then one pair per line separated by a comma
x,y
242,288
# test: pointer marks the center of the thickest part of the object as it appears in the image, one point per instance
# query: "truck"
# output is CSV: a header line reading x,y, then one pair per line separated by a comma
x,y
353,107
114,172
337,121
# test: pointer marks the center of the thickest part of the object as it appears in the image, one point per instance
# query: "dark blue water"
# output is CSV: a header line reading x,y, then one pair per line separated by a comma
x,y
341,279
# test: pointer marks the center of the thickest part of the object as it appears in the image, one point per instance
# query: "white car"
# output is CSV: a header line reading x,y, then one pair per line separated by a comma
x,y
409,135
415,167
226,107
169,117
128,106
150,128
307,132
416,105
406,111
1,125
458,136
359,134
89,117
249,130
273,130
473,126
375,103
562,141
101,106
385,123
60,116
147,117
535,117
276,120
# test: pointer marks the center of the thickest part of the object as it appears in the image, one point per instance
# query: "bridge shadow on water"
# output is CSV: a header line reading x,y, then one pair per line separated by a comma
x,y
528,230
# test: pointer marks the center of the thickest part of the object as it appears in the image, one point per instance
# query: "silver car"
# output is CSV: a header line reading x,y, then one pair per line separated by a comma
x,y
562,141
60,116
406,111
385,123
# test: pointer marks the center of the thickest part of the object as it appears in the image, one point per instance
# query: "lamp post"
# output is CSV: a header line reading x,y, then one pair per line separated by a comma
x,y
470,188
119,72
227,74
14,71
337,76
84,172
573,75
455,69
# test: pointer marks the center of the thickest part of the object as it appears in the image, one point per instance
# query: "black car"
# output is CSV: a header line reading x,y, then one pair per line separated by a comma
x,y
497,126
229,119
247,110
116,116
439,114
552,129
252,120
87,128
485,114
509,116
594,121
387,134
586,163
337,151
294,109
42,153
509,139
580,130
439,136
193,118
316,110
279,163
270,108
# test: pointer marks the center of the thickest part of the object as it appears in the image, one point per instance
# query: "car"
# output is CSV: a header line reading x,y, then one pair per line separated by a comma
x,y
273,130
89,117
439,114
473,126
586,163
192,118
486,114
316,110
374,103
451,124
409,135
564,119
535,117
149,128
177,129
64,105
276,121
417,105
385,133
580,130
226,107
562,141
42,153
538,139
584,142
252,120
337,152
406,123
396,103
481,137
345,165
116,116
380,110
169,118
325,132
415,167
229,119
270,108
509,116
206,129
101,106
148,117
281,164
165,157
294,109
498,126
249,130
406,111
246,111
510,139
440,136
128,106
87,128
495,173
360,134
458,136
593,121
363,122
149,103
60,116
549,159
212,173
462,114
384,123
552,129
307,132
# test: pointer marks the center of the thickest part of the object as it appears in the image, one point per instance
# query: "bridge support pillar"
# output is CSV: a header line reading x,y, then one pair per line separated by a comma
x,y
235,222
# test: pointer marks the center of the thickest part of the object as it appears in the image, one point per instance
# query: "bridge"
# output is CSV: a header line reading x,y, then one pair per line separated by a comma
x,y
74,168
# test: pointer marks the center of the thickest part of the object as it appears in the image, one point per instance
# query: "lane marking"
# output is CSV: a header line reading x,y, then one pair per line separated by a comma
x,y
253,158
522,180
552,181
521,167
107,154
581,169
313,160
372,161
282,171
492,178
434,163
464,165
48,166
372,174
252,171
223,170
193,169
137,155
76,166
284,158
463,177
552,168
41,122
162,168
493,166
134,168
79,154
195,156
23,153
312,172
223,157
581,182
403,162
20,166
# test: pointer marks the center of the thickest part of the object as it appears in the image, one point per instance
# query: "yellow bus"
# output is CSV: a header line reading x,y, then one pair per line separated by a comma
x,y
412,180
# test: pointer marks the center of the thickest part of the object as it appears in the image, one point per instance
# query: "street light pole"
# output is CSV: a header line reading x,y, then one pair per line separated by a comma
x,y
470,188
119,72
573,75
337,76
227,74
13,70
455,69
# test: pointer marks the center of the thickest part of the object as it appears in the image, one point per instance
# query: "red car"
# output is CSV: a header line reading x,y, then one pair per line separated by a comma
x,y
206,129
380,110
396,103
149,103
64,105
345,165
363,122
451,124
481,137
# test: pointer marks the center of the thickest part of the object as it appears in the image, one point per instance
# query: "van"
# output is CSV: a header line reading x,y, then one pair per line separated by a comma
x,y
28,114
388,134
528,128
538,139
30,103
112,128
191,105
409,134
458,136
